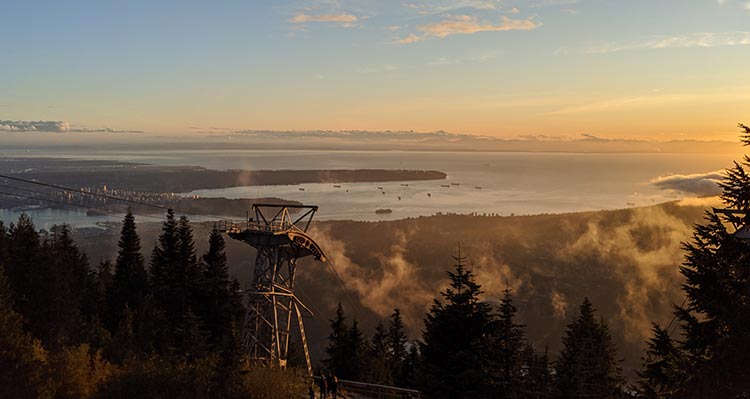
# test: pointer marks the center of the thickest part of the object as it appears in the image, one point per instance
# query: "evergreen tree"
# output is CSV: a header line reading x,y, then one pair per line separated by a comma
x,y
188,261
24,265
4,239
337,349
190,339
190,331
660,376
457,333
130,281
397,346
236,305
124,343
716,319
152,334
96,305
67,270
164,260
537,378
379,357
176,281
507,349
358,349
216,308
588,366
53,281
411,365
104,280
21,370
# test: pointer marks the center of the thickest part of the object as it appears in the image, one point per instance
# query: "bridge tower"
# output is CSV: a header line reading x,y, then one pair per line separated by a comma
x,y
280,239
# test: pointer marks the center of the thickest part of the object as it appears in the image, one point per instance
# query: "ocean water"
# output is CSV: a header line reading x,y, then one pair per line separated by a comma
x,y
485,183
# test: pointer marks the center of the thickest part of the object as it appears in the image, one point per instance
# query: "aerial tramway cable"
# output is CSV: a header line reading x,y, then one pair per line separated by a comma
x,y
347,293
58,202
107,196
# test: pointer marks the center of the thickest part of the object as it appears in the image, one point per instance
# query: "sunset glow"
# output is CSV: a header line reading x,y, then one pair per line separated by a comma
x,y
644,69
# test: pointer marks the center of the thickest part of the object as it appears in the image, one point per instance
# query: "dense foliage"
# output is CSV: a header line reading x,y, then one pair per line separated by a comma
x,y
71,331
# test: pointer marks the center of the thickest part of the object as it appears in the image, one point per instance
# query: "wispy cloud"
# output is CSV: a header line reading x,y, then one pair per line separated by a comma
x,y
476,59
341,19
745,4
655,99
466,25
378,69
439,7
553,3
702,39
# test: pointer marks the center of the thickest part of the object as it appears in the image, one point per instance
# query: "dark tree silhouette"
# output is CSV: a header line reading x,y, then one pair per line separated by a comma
x,y
411,365
537,380
20,370
397,346
337,349
130,281
588,366
3,243
103,280
379,357
458,331
25,265
508,344
164,259
176,281
715,321
215,306
660,375
358,349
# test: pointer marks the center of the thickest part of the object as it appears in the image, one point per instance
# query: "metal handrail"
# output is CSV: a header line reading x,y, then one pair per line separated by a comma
x,y
376,390
274,226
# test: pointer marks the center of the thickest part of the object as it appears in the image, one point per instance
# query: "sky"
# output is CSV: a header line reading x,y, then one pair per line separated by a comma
x,y
624,69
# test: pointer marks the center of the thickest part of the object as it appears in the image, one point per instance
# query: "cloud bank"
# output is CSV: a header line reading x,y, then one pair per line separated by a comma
x,y
34,126
52,127
441,140
695,184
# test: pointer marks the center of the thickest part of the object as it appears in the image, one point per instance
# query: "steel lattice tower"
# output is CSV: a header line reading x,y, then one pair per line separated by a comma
x,y
280,241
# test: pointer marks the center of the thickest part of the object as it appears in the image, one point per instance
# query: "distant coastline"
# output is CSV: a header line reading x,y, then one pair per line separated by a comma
x,y
159,185
117,175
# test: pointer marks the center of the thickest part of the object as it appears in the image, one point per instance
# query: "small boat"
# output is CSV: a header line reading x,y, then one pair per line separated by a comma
x,y
399,198
380,188
478,187
301,189
429,195
383,192
405,185
631,203
383,211
445,185
455,184
336,186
